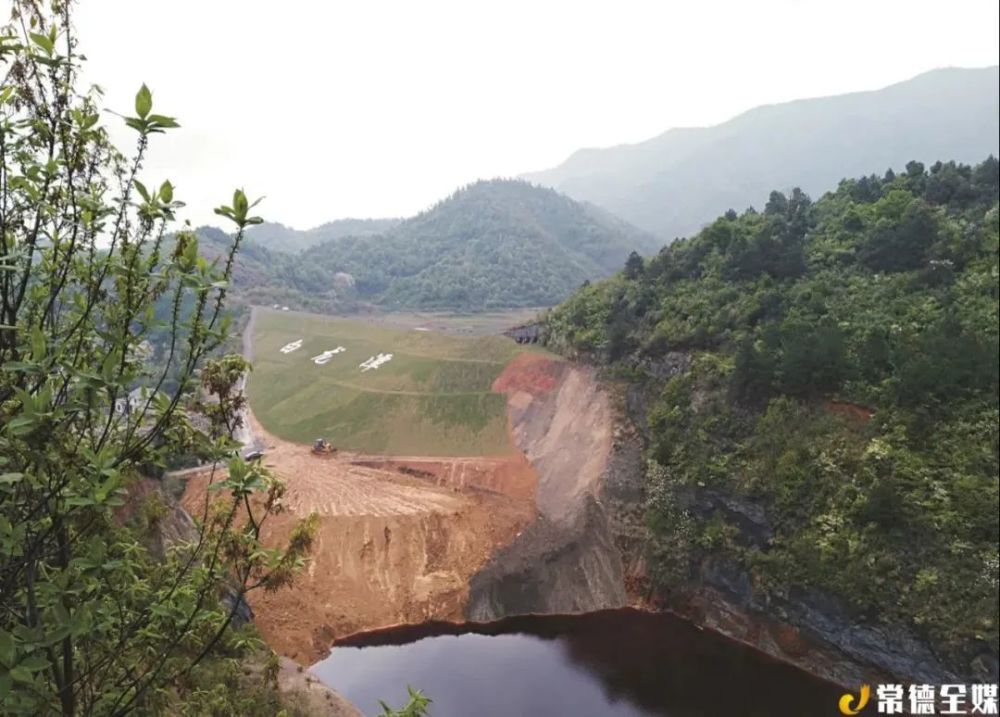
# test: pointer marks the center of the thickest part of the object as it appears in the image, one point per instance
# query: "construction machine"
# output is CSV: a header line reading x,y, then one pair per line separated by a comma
x,y
323,447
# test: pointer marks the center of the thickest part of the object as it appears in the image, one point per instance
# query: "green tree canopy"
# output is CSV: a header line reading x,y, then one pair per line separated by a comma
x,y
844,378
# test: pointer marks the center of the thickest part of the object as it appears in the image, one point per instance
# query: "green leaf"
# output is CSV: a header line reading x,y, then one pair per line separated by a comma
x,y
143,101
37,344
191,252
141,188
136,124
7,648
167,192
59,634
19,674
163,121
44,42
105,488
22,425
35,663
11,478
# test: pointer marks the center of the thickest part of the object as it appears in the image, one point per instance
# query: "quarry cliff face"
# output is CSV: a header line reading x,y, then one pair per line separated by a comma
x,y
588,548
566,560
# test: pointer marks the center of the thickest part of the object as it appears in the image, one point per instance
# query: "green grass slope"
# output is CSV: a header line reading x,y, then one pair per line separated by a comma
x,y
432,398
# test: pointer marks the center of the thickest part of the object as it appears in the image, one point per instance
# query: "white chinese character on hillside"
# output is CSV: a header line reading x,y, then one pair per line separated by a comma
x,y
984,699
953,698
922,699
890,699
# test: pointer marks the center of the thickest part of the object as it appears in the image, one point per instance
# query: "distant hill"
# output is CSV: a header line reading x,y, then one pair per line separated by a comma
x,y
278,237
673,184
262,276
493,244
500,243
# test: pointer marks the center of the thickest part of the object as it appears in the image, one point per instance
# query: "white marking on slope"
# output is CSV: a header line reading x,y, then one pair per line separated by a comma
x,y
373,362
327,355
293,346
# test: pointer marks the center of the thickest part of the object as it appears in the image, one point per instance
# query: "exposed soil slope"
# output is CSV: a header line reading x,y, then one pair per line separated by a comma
x,y
566,560
392,547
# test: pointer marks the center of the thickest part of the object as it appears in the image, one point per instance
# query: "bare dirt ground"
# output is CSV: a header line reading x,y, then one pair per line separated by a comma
x,y
511,475
398,539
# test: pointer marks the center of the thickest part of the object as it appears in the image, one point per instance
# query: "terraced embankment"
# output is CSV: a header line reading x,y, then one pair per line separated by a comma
x,y
428,395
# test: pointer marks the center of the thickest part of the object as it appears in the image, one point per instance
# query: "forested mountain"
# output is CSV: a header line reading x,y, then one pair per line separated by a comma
x,y
278,237
260,276
494,244
831,369
675,183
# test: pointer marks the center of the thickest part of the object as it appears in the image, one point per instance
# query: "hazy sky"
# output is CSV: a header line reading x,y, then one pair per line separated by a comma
x,y
371,108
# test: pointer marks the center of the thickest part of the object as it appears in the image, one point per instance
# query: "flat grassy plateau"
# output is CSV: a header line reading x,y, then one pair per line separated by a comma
x,y
432,398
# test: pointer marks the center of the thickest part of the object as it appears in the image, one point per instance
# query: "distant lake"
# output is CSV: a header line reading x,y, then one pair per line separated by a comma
x,y
616,663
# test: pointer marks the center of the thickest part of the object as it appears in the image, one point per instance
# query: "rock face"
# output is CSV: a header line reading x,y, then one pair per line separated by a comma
x,y
806,627
587,548
552,568
566,560
810,629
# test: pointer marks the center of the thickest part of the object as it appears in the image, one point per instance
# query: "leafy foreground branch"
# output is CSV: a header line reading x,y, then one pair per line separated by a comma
x,y
94,618
415,707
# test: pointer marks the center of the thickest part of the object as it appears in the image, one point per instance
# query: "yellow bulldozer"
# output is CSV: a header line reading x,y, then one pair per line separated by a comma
x,y
323,447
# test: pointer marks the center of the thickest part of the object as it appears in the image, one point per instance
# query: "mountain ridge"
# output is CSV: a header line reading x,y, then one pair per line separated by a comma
x,y
493,244
660,184
276,236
